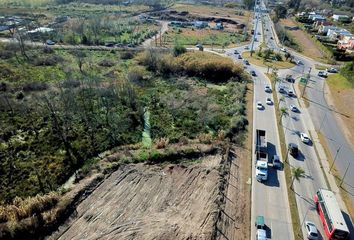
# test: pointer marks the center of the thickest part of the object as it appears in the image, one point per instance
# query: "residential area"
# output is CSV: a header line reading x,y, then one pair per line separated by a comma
x,y
225,120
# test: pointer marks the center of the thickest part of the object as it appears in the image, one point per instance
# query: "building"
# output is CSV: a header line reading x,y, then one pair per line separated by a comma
x,y
324,29
318,24
338,33
341,18
219,26
317,17
200,24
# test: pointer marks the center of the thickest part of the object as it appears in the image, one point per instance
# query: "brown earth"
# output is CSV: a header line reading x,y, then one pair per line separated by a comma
x,y
162,202
309,48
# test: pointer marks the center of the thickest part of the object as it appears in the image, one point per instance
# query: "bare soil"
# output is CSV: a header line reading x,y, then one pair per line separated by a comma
x,y
308,47
170,201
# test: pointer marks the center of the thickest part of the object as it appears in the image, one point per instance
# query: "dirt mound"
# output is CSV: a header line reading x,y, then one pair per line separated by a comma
x,y
150,202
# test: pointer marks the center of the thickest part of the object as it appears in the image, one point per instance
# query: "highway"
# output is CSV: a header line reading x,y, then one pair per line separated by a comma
x,y
269,199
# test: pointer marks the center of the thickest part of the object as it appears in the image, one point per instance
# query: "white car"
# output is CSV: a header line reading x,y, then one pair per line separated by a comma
x,y
283,49
298,62
311,229
268,89
269,101
331,70
291,93
304,138
293,108
259,105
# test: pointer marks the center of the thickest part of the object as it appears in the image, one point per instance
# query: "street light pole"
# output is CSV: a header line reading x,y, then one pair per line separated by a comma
x,y
255,28
334,160
345,173
307,81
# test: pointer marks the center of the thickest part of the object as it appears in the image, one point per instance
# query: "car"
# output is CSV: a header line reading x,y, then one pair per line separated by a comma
x,y
271,38
259,33
293,108
50,42
239,57
331,70
260,222
283,49
247,48
293,149
110,44
281,89
289,78
267,29
246,62
311,230
298,62
291,93
259,105
235,52
269,101
322,74
267,89
304,137
276,162
199,45
255,39
253,73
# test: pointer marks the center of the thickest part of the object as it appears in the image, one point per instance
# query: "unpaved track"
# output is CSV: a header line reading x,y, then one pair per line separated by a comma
x,y
150,202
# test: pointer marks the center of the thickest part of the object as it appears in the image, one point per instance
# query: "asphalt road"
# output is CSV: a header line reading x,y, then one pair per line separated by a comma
x,y
269,199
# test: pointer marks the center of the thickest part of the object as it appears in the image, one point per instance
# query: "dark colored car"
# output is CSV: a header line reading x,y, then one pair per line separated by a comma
x,y
239,57
253,73
293,149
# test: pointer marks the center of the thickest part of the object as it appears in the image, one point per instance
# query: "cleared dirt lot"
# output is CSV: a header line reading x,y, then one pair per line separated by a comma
x,y
308,47
161,202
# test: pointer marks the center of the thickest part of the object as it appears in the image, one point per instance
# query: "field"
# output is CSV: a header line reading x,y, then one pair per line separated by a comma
x,y
308,47
214,11
206,37
342,92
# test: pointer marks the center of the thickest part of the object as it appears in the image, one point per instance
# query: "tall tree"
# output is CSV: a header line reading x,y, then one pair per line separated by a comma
x,y
295,4
249,4
296,173
280,12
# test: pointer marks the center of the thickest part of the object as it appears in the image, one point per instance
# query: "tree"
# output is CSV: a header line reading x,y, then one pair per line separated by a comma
x,y
178,49
280,12
296,173
249,4
287,56
283,112
295,4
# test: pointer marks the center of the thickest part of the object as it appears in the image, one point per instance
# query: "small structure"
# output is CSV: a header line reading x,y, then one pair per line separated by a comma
x,y
338,33
341,18
317,17
41,30
200,24
324,29
219,26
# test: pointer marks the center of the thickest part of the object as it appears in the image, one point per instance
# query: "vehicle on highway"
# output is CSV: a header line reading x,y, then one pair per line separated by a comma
x,y
260,226
283,49
291,93
269,101
253,73
259,33
293,108
304,137
267,89
331,70
260,222
271,38
261,234
235,52
281,89
261,156
261,171
311,229
293,149
276,162
298,62
259,105
247,47
239,57
289,78
331,215
246,62
322,74
255,39
267,29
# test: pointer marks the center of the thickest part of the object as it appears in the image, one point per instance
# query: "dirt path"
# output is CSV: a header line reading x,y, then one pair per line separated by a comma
x,y
150,42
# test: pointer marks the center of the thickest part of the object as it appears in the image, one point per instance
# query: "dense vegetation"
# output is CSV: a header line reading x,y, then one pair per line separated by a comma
x,y
60,109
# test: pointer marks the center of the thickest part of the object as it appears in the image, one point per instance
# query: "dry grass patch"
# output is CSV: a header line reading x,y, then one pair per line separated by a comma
x,y
270,63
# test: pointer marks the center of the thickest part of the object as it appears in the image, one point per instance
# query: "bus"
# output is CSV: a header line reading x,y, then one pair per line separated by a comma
x,y
331,216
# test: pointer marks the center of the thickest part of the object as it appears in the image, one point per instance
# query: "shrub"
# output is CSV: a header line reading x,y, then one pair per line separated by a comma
x,y
71,84
47,60
205,138
106,63
126,55
178,50
35,86
161,143
136,74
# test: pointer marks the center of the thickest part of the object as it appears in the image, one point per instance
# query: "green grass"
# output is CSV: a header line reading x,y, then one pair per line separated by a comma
x,y
270,63
338,82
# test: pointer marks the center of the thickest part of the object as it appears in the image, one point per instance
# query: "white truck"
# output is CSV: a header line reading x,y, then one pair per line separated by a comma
x,y
261,156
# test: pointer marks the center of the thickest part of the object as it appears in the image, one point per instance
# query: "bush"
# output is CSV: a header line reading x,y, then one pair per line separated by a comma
x,y
126,55
106,63
35,86
178,50
161,143
136,74
47,60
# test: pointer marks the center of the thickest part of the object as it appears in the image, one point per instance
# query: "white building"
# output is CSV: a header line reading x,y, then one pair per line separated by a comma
x,y
325,29
340,18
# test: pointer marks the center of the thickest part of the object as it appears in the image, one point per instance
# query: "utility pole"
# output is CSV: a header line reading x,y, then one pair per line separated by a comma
x,y
307,81
345,173
255,28
334,160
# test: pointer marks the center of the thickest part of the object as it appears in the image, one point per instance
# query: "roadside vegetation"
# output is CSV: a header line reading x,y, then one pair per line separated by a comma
x,y
269,58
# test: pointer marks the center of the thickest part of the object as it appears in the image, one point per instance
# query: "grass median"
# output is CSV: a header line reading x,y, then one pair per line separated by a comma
x,y
283,148
259,61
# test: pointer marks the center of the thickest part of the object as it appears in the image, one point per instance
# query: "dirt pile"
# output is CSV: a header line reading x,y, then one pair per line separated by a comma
x,y
150,202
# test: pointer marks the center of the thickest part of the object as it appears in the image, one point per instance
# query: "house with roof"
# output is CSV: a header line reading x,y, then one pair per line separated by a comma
x,y
341,18
317,17
201,24
325,28
347,44
338,33
318,24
